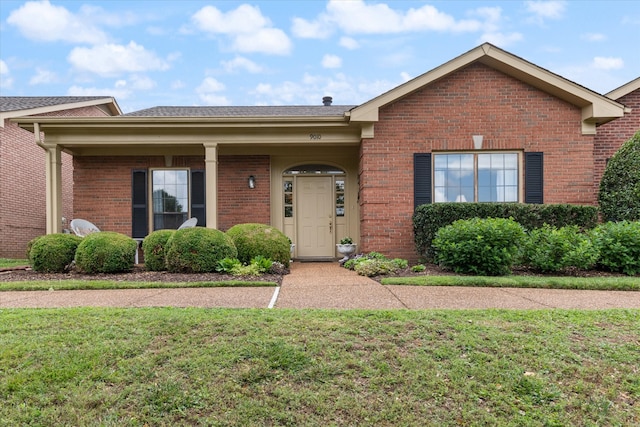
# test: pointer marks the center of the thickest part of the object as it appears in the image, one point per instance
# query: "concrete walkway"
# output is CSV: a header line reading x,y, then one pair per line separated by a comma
x,y
328,286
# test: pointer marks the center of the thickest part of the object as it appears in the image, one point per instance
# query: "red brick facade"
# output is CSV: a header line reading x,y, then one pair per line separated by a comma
x,y
103,188
22,185
613,134
443,117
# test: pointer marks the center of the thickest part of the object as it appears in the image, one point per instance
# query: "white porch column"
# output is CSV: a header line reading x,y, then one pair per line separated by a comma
x,y
211,173
53,188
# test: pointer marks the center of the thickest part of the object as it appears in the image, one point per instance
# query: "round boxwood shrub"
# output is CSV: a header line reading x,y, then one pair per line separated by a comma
x,y
198,250
619,194
487,247
106,252
53,253
154,247
619,246
259,239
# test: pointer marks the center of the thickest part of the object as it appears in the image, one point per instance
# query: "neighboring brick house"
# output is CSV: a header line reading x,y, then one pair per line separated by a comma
x,y
22,166
485,126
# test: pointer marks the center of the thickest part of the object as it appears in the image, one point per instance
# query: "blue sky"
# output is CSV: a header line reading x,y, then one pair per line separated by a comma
x,y
149,53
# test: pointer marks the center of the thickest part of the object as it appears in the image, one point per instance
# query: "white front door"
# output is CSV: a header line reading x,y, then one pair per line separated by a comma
x,y
316,222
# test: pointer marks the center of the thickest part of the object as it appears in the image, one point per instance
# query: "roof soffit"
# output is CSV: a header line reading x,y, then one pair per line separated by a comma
x,y
625,89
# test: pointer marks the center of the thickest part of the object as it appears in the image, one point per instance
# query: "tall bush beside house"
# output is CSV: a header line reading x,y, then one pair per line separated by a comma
x,y
619,246
486,247
53,253
154,247
253,240
551,249
106,252
619,194
198,250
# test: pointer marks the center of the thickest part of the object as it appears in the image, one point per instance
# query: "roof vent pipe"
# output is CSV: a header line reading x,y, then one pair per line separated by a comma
x,y
327,100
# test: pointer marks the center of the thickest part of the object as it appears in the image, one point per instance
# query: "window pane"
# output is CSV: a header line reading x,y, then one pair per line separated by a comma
x,y
339,185
170,198
511,161
511,194
288,186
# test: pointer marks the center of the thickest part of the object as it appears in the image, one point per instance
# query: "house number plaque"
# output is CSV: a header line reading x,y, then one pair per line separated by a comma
x,y
315,136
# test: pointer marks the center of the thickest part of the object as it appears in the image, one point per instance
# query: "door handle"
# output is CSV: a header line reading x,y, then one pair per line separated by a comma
x,y
330,226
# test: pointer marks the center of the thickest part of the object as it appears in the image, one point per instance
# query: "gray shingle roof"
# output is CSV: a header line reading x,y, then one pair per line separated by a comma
x,y
257,111
17,103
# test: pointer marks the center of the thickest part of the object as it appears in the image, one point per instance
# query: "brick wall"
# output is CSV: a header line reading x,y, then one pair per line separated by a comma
x,y
22,185
443,117
613,134
103,188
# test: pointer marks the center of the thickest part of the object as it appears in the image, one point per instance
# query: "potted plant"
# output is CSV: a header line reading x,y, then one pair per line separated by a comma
x,y
346,246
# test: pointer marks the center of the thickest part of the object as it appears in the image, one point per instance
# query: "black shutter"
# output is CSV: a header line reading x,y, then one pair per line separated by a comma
x,y
139,215
198,204
421,179
533,178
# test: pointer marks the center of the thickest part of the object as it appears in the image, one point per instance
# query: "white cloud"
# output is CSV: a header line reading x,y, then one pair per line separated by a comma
x,y
500,39
117,92
265,40
331,61
42,21
42,76
405,76
177,84
113,59
249,30
593,37
208,92
358,17
241,63
542,10
6,81
349,43
610,63
142,82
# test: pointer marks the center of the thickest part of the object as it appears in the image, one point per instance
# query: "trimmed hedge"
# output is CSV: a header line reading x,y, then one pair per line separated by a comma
x,y
429,218
253,240
551,249
154,248
481,246
198,250
106,252
52,253
619,194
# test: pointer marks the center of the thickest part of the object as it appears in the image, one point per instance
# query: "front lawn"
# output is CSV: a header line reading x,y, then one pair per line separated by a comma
x,y
171,366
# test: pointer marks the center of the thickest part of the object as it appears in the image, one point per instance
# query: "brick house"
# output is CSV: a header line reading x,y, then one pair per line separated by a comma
x,y
485,126
22,173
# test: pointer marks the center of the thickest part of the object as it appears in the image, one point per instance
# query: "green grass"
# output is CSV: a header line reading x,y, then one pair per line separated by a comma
x,y
73,284
585,283
9,262
170,366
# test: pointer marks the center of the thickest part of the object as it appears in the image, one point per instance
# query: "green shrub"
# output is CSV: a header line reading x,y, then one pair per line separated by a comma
x,y
253,239
375,264
487,247
154,247
418,268
552,249
428,219
52,253
257,266
619,194
198,250
106,252
619,246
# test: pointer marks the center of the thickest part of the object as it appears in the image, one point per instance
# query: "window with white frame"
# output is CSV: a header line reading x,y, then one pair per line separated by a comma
x,y
170,198
476,177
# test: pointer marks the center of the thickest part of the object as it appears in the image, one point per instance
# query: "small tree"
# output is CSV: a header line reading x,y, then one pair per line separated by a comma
x,y
619,195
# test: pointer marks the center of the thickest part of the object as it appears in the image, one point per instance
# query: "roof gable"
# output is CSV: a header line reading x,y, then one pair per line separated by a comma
x,y
19,106
625,89
596,108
